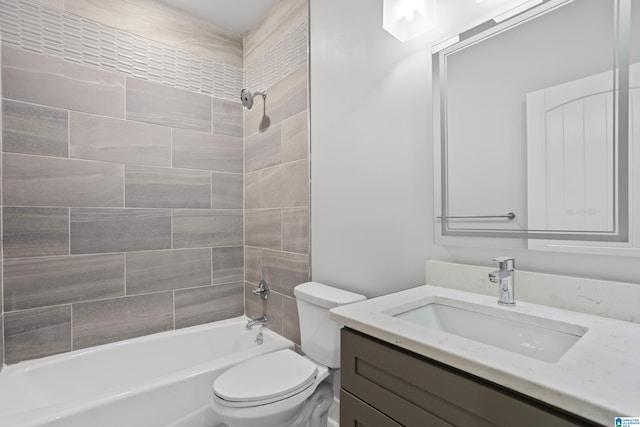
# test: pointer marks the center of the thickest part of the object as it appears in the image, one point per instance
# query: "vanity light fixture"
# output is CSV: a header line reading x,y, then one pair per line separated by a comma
x,y
516,10
407,19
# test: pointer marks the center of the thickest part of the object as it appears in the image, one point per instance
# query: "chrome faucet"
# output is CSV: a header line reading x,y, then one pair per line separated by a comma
x,y
262,321
262,291
504,277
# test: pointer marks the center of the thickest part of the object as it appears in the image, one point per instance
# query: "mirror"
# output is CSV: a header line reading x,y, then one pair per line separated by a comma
x,y
532,123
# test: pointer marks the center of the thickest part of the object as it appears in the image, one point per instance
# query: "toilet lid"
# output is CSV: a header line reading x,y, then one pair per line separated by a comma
x,y
267,378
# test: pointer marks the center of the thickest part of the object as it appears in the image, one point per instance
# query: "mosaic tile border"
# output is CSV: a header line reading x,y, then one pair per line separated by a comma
x,y
35,28
286,56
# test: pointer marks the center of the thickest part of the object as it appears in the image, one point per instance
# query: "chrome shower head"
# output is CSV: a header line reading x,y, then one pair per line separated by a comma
x,y
247,98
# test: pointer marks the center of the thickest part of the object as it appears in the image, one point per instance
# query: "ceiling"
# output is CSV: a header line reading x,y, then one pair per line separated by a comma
x,y
238,16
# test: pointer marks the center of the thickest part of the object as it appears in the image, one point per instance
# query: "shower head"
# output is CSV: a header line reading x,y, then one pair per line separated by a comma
x,y
247,98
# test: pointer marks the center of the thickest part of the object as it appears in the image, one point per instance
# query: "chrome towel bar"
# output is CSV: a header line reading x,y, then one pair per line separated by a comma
x,y
510,215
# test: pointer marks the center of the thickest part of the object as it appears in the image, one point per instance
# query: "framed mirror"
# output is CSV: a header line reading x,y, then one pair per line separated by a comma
x,y
532,119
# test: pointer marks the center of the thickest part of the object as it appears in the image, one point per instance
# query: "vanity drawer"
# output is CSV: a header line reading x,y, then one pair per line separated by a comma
x,y
416,391
355,413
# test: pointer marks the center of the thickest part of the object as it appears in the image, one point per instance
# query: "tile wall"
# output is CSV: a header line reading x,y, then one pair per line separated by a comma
x,y
1,252
276,164
122,175
123,172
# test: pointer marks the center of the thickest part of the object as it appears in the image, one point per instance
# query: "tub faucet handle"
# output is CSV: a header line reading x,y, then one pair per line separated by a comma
x,y
262,291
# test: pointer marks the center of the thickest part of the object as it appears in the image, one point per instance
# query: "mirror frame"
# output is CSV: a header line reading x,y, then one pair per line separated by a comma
x,y
622,25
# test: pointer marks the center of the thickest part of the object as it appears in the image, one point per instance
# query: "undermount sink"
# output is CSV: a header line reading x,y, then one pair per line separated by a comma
x,y
530,336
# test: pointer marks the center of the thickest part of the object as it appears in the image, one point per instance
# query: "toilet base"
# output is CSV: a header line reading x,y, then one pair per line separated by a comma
x,y
310,412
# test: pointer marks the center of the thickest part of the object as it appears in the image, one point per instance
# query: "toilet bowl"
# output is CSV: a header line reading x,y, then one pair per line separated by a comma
x,y
284,388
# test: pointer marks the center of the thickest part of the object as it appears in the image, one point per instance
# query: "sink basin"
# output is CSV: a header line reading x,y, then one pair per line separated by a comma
x,y
530,336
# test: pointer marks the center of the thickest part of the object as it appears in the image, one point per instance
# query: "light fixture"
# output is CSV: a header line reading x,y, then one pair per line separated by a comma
x,y
407,19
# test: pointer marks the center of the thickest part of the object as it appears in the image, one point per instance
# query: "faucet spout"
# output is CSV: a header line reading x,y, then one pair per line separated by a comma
x,y
261,321
505,277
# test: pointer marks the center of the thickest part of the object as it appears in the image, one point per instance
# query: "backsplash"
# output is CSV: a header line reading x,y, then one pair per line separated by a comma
x,y
122,183
616,300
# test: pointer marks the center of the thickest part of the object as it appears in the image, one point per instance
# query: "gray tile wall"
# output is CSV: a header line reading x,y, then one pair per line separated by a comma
x,y
124,181
144,39
123,204
1,252
276,193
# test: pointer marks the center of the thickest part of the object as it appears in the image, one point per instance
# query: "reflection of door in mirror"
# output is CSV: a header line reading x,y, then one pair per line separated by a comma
x,y
570,147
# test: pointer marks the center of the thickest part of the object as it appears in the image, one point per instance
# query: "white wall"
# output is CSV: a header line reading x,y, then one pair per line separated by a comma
x,y
371,161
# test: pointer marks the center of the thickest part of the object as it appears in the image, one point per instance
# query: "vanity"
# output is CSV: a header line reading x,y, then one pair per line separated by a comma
x,y
450,355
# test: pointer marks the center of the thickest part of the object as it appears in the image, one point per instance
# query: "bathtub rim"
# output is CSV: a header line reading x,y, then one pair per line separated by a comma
x,y
48,413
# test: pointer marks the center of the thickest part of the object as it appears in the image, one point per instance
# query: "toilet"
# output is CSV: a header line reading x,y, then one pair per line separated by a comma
x,y
284,388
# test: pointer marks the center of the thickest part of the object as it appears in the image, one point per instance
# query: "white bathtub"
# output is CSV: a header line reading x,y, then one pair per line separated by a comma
x,y
160,380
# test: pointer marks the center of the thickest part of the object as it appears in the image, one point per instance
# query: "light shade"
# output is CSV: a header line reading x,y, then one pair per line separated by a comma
x,y
406,19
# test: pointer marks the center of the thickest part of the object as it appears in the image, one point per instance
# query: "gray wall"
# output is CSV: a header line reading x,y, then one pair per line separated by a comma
x,y
372,183
122,176
124,171
277,164
1,282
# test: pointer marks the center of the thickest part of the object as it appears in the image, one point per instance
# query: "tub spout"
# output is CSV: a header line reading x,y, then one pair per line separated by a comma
x,y
262,321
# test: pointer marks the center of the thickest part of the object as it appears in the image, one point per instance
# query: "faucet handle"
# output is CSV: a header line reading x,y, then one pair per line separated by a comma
x,y
262,291
506,262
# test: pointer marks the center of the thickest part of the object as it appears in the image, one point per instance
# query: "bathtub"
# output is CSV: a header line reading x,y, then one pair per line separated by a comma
x,y
160,380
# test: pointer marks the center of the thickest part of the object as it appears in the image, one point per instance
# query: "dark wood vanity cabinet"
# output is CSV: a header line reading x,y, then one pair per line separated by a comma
x,y
384,385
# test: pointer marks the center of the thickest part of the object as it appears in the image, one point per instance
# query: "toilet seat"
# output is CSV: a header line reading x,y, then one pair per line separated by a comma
x,y
265,379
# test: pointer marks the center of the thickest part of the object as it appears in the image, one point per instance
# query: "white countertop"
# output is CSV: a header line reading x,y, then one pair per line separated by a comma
x,y
598,378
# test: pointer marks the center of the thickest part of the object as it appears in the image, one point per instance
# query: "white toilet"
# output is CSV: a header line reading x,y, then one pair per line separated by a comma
x,y
283,388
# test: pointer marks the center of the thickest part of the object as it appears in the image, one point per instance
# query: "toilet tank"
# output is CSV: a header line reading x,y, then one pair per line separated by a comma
x,y
320,335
